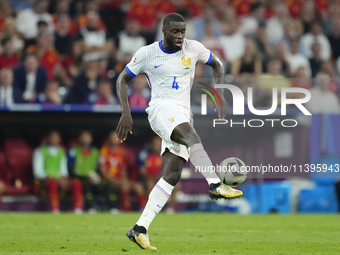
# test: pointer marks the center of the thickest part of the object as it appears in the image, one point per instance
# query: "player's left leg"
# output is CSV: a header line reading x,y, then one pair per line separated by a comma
x,y
172,169
186,134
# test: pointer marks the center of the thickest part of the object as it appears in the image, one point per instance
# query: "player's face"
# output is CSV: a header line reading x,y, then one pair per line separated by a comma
x,y
54,139
86,139
174,35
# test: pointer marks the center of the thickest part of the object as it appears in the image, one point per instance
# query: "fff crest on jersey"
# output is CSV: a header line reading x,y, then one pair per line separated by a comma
x,y
186,63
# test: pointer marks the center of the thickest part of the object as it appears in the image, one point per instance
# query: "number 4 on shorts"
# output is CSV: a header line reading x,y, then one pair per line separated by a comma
x,y
175,84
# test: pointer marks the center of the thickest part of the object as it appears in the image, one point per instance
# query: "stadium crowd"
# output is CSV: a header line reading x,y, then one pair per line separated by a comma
x,y
71,51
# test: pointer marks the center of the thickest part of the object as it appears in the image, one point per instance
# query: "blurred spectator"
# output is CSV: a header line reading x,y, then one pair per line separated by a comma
x,y
151,164
63,38
316,35
10,30
85,84
62,7
113,167
72,62
213,43
296,59
282,56
50,169
249,63
292,31
322,101
273,78
301,78
334,38
274,27
130,40
260,97
8,58
139,99
315,60
49,57
51,95
83,164
104,95
29,79
5,12
86,8
95,39
261,40
206,17
19,5
143,11
27,19
307,15
6,87
232,41
328,68
251,21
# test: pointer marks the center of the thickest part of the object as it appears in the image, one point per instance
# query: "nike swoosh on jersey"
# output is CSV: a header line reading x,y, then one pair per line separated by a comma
x,y
158,66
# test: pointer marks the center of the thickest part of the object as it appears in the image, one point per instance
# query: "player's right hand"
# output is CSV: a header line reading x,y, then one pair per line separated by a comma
x,y
124,127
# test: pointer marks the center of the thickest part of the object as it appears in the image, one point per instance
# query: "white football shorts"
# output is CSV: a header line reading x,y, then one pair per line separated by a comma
x,y
163,118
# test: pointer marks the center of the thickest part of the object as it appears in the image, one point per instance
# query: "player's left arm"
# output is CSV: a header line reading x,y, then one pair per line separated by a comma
x,y
218,72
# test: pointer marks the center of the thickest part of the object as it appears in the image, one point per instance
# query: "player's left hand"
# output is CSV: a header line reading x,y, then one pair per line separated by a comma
x,y
222,109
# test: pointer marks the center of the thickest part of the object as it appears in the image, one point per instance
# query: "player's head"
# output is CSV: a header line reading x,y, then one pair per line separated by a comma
x,y
174,31
85,138
54,138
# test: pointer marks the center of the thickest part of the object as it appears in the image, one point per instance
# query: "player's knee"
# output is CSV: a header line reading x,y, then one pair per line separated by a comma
x,y
173,176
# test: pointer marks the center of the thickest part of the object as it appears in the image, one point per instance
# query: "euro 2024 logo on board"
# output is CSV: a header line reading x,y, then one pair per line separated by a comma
x,y
238,105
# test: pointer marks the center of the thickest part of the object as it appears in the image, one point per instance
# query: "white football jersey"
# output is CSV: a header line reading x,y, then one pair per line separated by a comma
x,y
169,73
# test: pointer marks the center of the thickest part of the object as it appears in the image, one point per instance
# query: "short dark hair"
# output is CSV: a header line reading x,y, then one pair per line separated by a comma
x,y
104,80
172,17
5,40
255,6
32,54
42,23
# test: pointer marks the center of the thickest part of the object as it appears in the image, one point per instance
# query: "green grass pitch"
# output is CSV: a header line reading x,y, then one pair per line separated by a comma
x,y
43,233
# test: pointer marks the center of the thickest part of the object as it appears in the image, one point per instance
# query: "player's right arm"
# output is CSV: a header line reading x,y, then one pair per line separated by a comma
x,y
134,67
125,122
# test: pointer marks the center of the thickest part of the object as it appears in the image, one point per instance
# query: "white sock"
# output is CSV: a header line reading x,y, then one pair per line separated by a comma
x,y
157,199
200,159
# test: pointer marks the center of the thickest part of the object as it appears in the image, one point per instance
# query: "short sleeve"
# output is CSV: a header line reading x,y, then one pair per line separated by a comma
x,y
203,54
137,63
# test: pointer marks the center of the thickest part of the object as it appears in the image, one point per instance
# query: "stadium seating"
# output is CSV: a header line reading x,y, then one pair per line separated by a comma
x,y
322,199
274,197
3,168
19,161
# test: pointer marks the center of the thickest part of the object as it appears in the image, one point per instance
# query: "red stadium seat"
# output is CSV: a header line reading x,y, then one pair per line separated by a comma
x,y
4,175
19,159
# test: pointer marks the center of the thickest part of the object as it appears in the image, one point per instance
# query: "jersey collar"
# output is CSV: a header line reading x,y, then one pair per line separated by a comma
x,y
164,50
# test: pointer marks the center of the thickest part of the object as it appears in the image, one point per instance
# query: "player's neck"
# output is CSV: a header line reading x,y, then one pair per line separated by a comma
x,y
166,46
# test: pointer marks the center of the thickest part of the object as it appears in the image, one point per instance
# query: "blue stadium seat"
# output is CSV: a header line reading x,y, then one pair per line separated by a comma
x,y
250,192
322,199
274,197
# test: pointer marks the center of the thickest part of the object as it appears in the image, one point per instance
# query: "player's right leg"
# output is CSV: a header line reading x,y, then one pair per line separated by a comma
x,y
172,169
185,134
